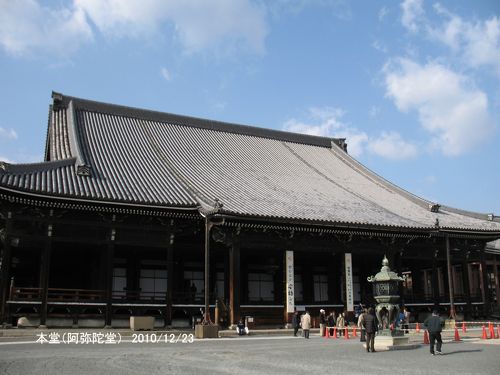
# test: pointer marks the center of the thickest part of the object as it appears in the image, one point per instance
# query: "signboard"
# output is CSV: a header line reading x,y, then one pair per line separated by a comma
x,y
290,287
348,282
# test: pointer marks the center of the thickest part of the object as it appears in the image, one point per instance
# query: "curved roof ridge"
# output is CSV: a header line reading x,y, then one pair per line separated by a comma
x,y
367,172
8,168
146,114
413,197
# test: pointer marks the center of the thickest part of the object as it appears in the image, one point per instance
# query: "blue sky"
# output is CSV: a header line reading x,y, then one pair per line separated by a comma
x,y
414,85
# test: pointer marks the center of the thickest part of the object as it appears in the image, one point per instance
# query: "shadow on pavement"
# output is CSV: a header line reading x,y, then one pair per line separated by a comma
x,y
463,351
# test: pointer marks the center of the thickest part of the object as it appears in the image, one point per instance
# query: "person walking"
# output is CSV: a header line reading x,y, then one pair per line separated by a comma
x,y
305,322
361,320
433,325
295,322
370,325
322,322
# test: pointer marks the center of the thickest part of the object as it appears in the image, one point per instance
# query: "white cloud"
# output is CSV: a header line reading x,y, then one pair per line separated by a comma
x,y
392,146
413,12
326,122
478,42
198,25
8,134
26,28
340,9
165,74
450,108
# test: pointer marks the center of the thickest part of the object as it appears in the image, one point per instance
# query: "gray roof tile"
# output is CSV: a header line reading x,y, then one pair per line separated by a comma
x,y
144,157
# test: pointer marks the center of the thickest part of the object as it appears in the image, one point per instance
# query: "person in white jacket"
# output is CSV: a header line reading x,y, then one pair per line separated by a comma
x,y
305,322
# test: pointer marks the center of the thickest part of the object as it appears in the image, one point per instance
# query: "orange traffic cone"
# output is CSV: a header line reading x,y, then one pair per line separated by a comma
x,y
335,333
354,333
457,336
485,336
327,333
417,328
426,337
464,329
492,331
498,329
346,333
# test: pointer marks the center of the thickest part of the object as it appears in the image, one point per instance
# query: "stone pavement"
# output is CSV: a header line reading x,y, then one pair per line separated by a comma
x,y
258,354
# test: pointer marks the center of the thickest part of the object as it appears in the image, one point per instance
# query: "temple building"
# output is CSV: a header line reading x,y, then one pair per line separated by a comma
x,y
136,212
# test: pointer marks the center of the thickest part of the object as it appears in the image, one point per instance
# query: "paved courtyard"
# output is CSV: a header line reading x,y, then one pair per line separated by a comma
x,y
247,355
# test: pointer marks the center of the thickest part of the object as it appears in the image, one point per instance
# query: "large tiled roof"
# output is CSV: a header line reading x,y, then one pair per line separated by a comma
x,y
143,157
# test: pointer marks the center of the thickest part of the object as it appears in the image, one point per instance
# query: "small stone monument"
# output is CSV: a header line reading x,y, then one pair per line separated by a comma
x,y
385,292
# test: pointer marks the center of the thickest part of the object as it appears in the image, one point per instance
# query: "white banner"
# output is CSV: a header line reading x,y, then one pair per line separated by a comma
x,y
290,287
348,282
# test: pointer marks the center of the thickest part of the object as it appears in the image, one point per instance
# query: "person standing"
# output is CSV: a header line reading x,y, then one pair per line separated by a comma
x,y
322,322
433,325
341,323
371,328
406,319
361,320
305,322
295,322
331,322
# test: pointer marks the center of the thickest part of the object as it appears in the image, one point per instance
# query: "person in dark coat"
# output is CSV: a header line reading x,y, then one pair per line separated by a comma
x,y
433,325
322,322
331,322
361,319
370,325
295,322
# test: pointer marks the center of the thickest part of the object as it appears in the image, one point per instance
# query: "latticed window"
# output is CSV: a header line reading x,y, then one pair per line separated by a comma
x,y
153,283
119,281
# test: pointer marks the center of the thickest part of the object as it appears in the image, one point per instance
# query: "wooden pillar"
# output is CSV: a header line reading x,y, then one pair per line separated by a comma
x,y
110,254
208,227
497,282
484,283
451,290
234,281
435,281
170,279
5,269
45,272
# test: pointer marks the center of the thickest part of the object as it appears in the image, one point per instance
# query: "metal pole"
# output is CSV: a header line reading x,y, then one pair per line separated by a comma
x,y
450,279
208,226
